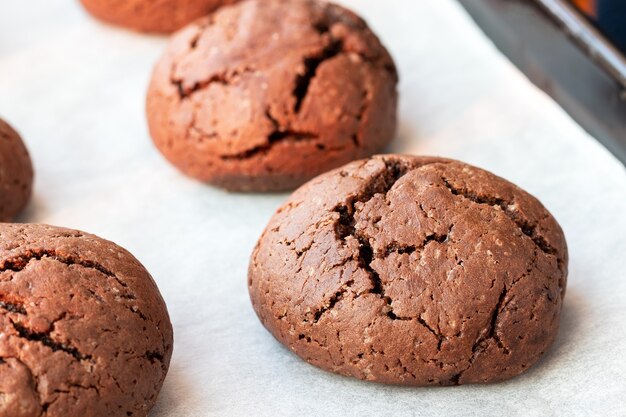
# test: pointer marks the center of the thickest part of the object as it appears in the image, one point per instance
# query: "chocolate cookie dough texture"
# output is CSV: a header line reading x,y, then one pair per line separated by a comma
x,y
266,94
16,173
83,328
160,16
412,270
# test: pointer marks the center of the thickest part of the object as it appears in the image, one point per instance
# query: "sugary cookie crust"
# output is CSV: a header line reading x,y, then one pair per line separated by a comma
x,y
266,94
16,173
83,328
412,270
160,16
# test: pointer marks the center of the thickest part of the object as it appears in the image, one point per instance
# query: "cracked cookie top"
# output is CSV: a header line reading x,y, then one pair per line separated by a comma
x,y
83,327
266,94
160,16
16,173
412,270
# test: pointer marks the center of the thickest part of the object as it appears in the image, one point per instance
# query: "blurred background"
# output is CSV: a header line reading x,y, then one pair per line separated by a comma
x,y
609,16
573,50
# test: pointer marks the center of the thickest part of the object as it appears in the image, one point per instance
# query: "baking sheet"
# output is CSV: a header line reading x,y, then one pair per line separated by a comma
x,y
75,90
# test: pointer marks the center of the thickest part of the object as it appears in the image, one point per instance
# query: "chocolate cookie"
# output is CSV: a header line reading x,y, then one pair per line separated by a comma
x,y
16,173
266,94
83,328
412,270
161,16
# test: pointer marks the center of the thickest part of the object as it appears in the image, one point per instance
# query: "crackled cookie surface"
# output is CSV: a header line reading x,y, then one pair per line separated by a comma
x,y
83,328
412,270
266,94
16,173
161,16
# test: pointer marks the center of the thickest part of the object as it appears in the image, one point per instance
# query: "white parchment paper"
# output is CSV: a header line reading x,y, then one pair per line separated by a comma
x,y
75,90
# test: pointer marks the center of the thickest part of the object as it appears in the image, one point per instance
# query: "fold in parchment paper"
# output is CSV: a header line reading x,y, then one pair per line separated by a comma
x,y
75,89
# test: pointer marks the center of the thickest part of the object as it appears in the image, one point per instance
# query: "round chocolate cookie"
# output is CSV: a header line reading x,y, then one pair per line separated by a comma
x,y
16,173
265,94
83,328
161,16
412,270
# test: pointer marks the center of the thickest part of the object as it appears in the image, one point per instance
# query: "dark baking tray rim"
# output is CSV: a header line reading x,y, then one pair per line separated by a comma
x,y
588,37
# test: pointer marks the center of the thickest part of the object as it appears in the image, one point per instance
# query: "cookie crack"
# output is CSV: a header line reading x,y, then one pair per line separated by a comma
x,y
45,406
440,337
379,184
481,342
20,262
311,65
12,306
409,249
345,227
526,228
224,78
278,134
338,296
45,339
491,332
